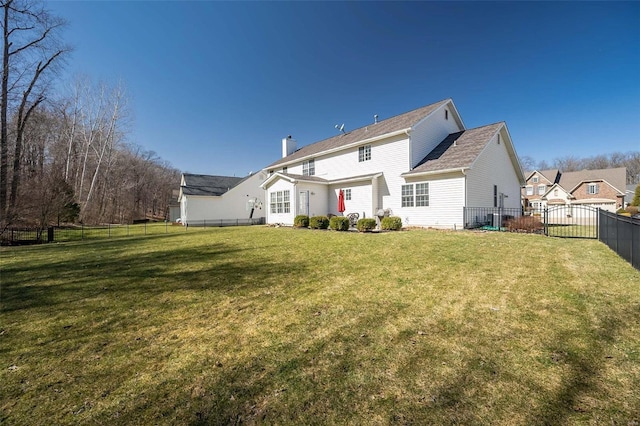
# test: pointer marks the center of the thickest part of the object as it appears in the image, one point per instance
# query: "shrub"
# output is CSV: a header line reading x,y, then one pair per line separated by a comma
x,y
318,222
301,221
391,223
633,210
525,224
365,224
339,223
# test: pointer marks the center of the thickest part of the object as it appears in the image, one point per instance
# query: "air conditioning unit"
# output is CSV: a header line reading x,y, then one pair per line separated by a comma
x,y
497,220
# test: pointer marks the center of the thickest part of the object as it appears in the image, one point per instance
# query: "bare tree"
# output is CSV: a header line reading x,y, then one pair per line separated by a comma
x,y
30,52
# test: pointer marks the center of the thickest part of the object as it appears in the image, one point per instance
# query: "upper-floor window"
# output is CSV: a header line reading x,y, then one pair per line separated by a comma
x,y
534,179
347,194
593,188
542,189
364,153
446,114
555,192
309,167
529,190
284,169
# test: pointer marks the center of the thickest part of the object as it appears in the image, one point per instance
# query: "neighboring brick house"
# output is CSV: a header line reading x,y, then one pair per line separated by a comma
x,y
537,184
603,188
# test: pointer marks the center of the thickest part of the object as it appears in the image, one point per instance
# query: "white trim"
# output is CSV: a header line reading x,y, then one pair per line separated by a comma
x,y
435,172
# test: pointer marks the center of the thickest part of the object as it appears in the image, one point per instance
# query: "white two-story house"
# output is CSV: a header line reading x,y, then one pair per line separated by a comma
x,y
423,166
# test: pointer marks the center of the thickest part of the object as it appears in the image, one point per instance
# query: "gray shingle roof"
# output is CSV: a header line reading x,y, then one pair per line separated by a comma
x,y
616,177
551,174
393,124
468,145
208,185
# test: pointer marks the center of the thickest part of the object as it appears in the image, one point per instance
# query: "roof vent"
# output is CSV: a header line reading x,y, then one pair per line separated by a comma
x,y
375,119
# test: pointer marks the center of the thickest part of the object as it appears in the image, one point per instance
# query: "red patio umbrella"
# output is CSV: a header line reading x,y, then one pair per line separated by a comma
x,y
341,207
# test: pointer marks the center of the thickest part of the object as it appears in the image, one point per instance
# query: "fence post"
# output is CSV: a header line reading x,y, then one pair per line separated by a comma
x,y
108,230
546,221
50,234
82,231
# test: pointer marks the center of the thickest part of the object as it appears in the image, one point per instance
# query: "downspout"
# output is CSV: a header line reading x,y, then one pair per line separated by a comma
x,y
408,133
466,192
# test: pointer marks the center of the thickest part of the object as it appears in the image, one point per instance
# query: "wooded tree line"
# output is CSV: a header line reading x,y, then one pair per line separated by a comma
x,y
64,156
630,160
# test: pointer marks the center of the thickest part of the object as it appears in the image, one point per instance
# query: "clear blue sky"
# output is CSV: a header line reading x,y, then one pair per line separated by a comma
x,y
214,86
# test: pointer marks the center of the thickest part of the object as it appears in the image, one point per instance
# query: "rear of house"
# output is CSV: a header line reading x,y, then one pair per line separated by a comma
x,y
422,166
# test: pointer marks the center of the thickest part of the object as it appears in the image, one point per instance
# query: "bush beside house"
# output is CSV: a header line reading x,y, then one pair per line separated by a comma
x,y
319,222
301,221
365,225
339,223
392,223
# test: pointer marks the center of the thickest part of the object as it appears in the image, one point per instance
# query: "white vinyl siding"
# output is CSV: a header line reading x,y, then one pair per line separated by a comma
x,y
493,167
232,205
428,133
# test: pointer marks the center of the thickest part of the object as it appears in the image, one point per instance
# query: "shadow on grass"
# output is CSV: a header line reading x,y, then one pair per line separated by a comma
x,y
114,269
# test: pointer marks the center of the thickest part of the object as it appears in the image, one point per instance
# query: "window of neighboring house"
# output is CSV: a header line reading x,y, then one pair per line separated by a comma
x,y
407,195
270,172
364,153
347,195
280,202
309,168
593,188
529,190
446,114
495,195
422,194
555,192
284,169
534,179
542,189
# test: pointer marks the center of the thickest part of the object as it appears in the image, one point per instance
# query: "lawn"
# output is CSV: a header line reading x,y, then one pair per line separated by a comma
x,y
260,325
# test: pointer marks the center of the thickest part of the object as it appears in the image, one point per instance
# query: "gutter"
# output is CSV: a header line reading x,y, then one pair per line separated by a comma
x,y
436,172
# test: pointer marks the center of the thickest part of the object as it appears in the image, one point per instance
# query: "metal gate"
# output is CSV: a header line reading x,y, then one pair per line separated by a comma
x,y
571,221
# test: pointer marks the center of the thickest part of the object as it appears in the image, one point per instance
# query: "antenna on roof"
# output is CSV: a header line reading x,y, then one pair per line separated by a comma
x,y
341,128
375,119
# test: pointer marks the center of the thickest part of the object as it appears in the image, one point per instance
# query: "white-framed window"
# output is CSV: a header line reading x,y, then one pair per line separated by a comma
x,y
407,195
534,179
364,153
529,189
284,169
593,188
422,194
347,195
542,189
280,202
309,167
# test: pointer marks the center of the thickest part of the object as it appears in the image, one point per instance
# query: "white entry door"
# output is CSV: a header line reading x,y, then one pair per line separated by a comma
x,y
303,203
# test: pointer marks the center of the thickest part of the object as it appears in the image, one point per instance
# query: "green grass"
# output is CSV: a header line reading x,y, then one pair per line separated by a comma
x,y
285,326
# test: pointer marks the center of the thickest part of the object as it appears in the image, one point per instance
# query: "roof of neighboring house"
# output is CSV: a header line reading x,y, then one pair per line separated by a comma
x,y
208,185
462,154
615,177
390,125
551,174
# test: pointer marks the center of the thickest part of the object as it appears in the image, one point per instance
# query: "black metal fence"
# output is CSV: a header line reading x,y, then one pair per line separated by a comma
x,y
622,235
36,235
571,221
489,218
